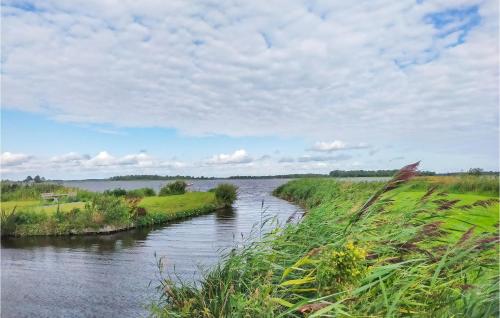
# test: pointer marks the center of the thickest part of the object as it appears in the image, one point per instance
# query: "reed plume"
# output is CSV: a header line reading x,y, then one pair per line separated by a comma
x,y
403,175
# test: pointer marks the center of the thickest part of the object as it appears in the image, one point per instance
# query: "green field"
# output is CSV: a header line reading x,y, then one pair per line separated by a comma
x,y
362,250
100,214
458,220
154,205
175,203
42,207
163,209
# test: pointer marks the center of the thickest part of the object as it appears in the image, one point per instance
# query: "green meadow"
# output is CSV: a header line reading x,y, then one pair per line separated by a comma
x,y
167,208
23,213
426,247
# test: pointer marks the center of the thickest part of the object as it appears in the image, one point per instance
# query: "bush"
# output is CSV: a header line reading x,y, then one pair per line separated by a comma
x,y
140,193
176,187
118,192
225,194
29,217
112,209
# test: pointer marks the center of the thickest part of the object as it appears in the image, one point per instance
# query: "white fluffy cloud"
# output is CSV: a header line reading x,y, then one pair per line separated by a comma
x,y
103,164
69,157
326,146
13,159
103,158
373,70
309,158
77,164
237,157
141,159
418,76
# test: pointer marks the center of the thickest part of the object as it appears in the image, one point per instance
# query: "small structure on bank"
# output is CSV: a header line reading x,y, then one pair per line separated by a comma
x,y
54,197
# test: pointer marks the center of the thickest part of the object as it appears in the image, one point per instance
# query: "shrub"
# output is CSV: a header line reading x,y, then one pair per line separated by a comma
x,y
29,217
112,209
226,194
140,193
176,187
118,192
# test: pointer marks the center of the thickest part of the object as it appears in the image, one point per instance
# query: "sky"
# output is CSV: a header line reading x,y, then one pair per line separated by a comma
x,y
97,88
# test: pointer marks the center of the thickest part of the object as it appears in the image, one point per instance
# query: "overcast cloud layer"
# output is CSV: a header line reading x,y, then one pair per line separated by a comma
x,y
343,75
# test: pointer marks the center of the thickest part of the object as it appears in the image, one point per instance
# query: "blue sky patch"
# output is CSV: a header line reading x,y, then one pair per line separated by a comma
x,y
450,21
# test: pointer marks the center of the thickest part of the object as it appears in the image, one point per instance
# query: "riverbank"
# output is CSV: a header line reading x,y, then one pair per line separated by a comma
x,y
103,213
425,248
120,268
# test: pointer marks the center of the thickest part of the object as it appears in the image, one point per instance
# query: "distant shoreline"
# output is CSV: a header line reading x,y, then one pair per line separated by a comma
x,y
332,174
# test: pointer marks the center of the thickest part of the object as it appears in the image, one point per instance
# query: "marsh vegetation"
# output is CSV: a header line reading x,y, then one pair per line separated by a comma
x,y
426,247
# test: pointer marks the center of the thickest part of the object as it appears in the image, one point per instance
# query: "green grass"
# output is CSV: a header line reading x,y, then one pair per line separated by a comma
x,y
175,203
484,185
166,208
406,254
457,221
31,217
41,207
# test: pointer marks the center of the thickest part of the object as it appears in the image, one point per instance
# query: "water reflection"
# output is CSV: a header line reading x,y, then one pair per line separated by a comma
x,y
94,243
225,214
114,275
225,222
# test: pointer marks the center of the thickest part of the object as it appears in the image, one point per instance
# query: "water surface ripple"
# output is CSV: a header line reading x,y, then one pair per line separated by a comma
x,y
116,275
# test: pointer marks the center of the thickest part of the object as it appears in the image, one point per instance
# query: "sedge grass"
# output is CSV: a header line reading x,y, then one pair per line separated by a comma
x,y
408,253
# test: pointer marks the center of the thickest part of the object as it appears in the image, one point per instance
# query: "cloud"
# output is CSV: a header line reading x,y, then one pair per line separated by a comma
x,y
398,158
141,159
325,146
374,151
380,70
69,157
328,146
286,159
73,163
397,72
103,158
9,159
264,158
309,158
237,157
108,131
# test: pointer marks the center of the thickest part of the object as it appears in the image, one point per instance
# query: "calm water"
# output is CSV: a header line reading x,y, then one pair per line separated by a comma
x,y
116,275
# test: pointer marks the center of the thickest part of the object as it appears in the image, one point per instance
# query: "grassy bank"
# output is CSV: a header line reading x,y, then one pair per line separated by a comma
x,y
164,209
112,211
362,250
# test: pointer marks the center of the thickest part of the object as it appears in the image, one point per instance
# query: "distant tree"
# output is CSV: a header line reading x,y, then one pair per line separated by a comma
x,y
37,179
475,171
28,179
